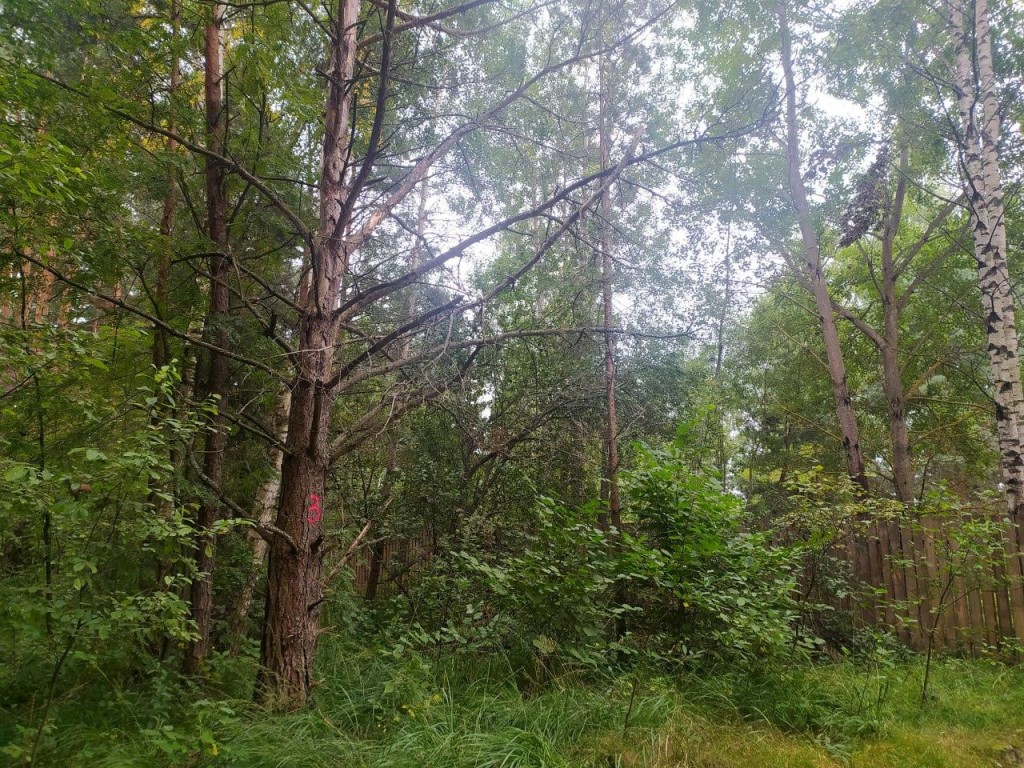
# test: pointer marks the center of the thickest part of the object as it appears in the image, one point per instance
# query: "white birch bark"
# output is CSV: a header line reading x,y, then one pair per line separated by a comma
x,y
974,78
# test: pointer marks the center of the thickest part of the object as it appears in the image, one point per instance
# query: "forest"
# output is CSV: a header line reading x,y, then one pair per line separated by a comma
x,y
507,383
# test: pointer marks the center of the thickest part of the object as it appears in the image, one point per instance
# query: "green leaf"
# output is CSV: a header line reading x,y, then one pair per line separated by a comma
x,y
16,473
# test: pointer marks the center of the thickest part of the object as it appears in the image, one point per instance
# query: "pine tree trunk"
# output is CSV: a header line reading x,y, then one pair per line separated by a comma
x,y
294,588
610,481
161,340
161,351
217,374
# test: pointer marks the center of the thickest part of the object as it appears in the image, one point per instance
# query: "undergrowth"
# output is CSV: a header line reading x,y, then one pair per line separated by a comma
x,y
376,709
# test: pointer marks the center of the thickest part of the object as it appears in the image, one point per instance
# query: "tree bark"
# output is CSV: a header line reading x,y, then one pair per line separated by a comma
x,y
161,289
294,588
979,147
161,352
217,380
892,374
814,275
610,479
978,107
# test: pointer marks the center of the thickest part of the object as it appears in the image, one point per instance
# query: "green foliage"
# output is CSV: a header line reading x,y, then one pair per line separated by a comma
x,y
716,586
685,579
373,710
729,557
554,598
110,542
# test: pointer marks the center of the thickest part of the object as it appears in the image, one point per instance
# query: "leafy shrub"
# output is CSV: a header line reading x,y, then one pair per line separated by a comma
x,y
708,584
554,598
684,579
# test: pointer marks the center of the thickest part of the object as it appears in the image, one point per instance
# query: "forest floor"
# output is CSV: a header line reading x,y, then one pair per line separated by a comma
x,y
378,711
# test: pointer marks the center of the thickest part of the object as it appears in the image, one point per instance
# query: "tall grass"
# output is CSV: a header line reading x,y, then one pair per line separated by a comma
x,y
378,710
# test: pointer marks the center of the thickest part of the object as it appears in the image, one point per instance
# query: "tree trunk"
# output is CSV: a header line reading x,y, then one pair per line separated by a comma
x,y
161,352
721,461
294,588
217,374
813,273
892,374
979,147
374,571
161,339
610,480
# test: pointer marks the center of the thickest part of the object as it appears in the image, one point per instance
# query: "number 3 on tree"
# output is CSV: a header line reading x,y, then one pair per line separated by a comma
x,y
314,509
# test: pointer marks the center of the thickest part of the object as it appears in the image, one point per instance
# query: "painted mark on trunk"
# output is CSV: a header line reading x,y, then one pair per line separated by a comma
x,y
315,512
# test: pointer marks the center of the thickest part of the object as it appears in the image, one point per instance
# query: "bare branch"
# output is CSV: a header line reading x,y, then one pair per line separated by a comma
x,y
113,300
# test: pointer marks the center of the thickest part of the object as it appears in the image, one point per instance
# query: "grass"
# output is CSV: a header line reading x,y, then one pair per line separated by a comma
x,y
377,711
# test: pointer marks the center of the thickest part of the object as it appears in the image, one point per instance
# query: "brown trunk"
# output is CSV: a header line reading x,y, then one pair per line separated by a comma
x,y
903,577
217,375
610,481
294,588
161,353
813,273
892,377
374,571
161,340
899,437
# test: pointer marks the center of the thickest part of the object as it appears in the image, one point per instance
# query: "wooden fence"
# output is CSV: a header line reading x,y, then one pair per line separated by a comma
x,y
952,581
398,558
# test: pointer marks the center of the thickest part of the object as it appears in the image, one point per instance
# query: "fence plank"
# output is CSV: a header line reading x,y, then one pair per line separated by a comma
x,y
1004,581
964,631
898,578
925,578
949,582
913,595
1016,571
881,529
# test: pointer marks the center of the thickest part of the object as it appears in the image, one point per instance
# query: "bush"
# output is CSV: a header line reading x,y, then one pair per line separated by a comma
x,y
708,584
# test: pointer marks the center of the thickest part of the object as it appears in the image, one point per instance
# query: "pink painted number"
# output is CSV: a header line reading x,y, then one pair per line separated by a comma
x,y
314,509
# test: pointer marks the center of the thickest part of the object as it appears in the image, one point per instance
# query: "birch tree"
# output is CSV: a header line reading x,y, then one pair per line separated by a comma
x,y
978,142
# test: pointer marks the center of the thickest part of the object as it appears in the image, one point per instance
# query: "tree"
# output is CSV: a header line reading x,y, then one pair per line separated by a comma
x,y
216,383
812,270
351,212
977,140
